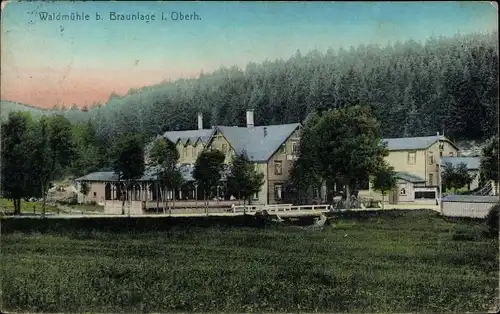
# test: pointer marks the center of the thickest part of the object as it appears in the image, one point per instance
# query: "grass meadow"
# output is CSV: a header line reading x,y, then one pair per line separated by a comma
x,y
400,262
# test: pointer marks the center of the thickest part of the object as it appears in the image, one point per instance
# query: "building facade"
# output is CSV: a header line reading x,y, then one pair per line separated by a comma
x,y
416,161
272,149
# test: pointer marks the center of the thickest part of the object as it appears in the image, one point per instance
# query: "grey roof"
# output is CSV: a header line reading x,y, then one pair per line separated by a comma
x,y
252,140
409,177
405,143
471,199
192,135
149,174
472,163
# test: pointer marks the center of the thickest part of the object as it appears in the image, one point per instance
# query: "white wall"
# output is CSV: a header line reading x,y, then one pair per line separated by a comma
x,y
463,209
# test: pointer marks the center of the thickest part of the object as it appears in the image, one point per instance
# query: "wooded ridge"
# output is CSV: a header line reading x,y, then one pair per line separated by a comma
x,y
415,89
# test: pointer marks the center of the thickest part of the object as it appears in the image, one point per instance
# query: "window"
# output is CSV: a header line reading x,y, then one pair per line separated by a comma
x,y
195,151
427,195
315,193
402,192
283,148
95,194
278,169
278,192
431,158
295,148
224,148
412,156
451,154
255,196
431,178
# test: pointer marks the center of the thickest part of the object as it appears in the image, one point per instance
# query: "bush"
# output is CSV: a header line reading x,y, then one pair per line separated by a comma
x,y
492,220
464,233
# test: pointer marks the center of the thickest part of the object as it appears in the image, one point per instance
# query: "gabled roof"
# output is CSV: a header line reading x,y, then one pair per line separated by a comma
x,y
252,140
407,143
472,163
409,177
203,135
414,143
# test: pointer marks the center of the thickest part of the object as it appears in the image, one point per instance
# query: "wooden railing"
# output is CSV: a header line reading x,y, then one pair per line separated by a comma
x,y
278,208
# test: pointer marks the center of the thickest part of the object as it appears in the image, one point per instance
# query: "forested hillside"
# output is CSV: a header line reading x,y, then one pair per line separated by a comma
x,y
10,106
415,89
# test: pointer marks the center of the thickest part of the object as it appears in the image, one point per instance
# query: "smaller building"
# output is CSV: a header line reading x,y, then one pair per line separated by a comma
x,y
409,189
107,190
420,156
472,164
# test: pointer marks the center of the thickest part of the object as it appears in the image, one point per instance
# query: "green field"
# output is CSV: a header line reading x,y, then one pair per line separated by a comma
x,y
411,262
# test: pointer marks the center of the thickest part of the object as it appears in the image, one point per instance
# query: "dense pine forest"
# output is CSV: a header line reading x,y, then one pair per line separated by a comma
x,y
415,89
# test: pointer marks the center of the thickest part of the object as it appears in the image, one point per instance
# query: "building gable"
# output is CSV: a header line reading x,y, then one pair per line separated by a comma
x,y
219,142
259,142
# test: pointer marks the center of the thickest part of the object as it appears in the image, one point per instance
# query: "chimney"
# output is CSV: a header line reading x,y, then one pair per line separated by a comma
x,y
249,118
200,121
265,131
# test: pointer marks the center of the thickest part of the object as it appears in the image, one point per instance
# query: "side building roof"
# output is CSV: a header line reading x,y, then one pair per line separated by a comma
x,y
408,177
471,199
259,142
472,163
150,174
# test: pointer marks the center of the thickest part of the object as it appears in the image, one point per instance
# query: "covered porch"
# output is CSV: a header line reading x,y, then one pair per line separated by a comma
x,y
147,194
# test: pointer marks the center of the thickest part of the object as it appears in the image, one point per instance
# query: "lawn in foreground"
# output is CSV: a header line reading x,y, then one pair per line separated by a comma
x,y
402,264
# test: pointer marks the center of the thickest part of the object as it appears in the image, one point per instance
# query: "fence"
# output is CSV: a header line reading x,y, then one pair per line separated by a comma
x,y
278,208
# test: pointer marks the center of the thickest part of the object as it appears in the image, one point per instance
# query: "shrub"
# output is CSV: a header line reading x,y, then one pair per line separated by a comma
x,y
492,220
463,234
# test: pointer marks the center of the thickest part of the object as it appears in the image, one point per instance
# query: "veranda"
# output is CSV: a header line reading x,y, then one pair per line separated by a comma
x,y
148,196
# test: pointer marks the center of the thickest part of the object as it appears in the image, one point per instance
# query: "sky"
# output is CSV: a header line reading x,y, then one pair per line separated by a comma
x,y
60,62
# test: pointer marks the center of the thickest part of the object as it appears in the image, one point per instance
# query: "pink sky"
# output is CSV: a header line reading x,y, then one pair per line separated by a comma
x,y
87,60
46,87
